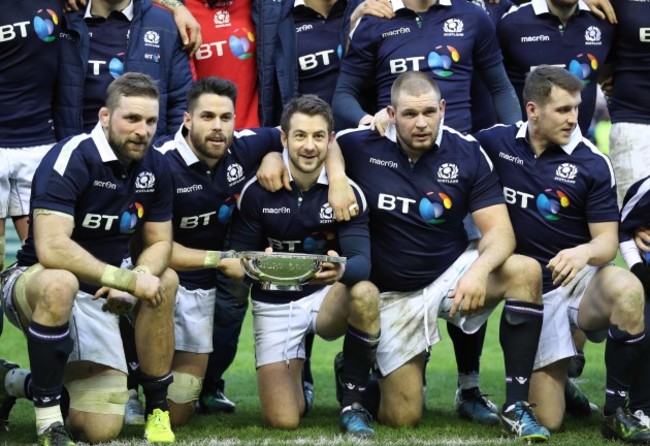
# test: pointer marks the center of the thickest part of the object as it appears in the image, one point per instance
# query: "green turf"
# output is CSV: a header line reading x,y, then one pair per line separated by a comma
x,y
440,426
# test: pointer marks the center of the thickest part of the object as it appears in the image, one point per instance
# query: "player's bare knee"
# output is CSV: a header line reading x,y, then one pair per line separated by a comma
x,y
169,282
93,427
283,422
364,301
404,416
57,296
524,278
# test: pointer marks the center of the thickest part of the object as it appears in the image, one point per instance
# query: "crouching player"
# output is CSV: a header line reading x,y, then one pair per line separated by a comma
x,y
337,302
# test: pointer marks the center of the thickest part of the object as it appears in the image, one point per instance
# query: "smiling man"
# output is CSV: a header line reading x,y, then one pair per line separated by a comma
x,y
339,301
561,197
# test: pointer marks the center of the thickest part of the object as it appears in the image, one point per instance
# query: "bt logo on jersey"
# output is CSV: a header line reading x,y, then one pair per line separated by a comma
x,y
432,207
582,65
241,43
551,202
44,23
441,60
130,218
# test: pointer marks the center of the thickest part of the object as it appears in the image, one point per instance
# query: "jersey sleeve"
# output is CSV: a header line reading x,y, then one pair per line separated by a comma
x,y
253,144
635,211
246,230
61,180
486,190
602,203
487,52
362,52
354,238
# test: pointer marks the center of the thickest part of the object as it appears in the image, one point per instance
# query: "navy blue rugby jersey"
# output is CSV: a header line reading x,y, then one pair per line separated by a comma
x,y
552,198
635,211
29,31
301,222
204,200
631,95
319,49
531,36
451,40
484,114
417,210
81,177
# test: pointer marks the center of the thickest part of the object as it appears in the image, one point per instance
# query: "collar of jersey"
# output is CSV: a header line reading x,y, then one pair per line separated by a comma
x,y
541,7
181,145
576,138
391,133
128,11
322,178
99,138
399,4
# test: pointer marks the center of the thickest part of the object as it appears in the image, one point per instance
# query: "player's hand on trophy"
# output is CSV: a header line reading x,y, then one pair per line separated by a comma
x,y
329,272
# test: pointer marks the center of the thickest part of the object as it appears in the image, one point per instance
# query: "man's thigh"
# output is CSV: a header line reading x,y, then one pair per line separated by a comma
x,y
401,394
280,390
332,320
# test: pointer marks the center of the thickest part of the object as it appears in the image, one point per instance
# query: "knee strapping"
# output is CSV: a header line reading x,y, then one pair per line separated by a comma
x,y
185,388
99,394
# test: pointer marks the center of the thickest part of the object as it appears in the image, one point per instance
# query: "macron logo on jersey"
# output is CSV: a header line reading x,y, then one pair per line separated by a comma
x,y
448,173
396,32
282,210
511,158
305,27
189,189
566,173
593,36
533,39
383,163
453,27
105,184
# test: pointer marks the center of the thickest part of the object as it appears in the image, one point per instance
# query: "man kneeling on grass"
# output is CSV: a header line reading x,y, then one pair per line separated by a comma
x,y
337,302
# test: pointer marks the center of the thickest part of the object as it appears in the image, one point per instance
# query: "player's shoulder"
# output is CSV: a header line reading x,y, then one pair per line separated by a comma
x,y
165,145
517,13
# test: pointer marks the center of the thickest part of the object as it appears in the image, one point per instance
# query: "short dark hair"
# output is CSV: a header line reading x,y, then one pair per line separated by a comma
x,y
541,80
310,105
131,84
412,82
210,85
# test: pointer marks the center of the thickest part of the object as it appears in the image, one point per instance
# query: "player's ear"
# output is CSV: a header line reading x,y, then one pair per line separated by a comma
x,y
391,113
104,116
531,111
187,122
332,138
283,138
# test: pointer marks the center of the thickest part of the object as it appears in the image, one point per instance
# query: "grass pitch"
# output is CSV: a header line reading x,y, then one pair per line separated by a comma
x,y
439,426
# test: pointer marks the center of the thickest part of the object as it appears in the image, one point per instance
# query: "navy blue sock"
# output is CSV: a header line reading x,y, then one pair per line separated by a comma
x,y
467,347
155,392
620,351
48,348
359,351
521,324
